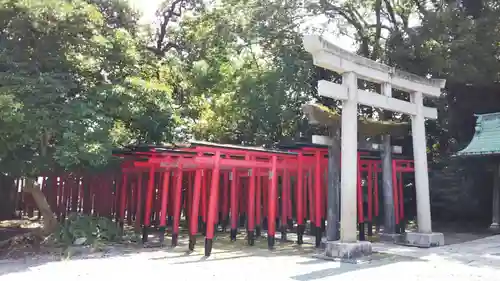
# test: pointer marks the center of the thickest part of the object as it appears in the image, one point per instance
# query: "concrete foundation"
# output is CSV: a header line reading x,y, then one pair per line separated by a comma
x,y
391,237
347,251
423,240
495,228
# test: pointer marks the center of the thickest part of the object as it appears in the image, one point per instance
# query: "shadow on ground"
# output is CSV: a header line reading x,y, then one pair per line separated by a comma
x,y
479,253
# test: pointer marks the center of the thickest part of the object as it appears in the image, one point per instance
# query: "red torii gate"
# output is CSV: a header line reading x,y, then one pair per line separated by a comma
x,y
208,162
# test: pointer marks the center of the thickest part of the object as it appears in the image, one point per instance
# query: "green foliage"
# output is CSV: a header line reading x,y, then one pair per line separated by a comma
x,y
86,230
244,76
74,83
79,77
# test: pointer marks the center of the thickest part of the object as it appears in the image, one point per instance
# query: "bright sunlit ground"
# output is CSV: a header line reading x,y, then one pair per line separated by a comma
x,y
475,260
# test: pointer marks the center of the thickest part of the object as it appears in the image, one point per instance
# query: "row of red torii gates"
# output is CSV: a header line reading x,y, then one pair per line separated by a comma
x,y
212,185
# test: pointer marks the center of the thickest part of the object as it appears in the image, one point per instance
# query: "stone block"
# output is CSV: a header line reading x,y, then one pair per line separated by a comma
x,y
495,228
391,237
424,240
348,251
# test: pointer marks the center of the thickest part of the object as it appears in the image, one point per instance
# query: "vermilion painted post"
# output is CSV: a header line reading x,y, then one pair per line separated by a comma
x,y
64,197
243,193
204,196
189,196
284,205
401,204
81,194
225,201
300,200
311,197
272,196
258,205
317,198
53,194
164,203
111,197
265,195
158,190
123,196
234,205
68,192
376,195
104,195
370,200
148,207
324,190
395,192
171,196
359,197
304,196
251,207
130,202
289,213
138,198
212,206
59,197
195,208
44,191
177,206
265,200
216,218
97,196
401,197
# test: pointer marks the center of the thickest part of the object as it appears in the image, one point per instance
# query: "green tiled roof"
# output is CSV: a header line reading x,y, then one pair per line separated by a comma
x,y
486,140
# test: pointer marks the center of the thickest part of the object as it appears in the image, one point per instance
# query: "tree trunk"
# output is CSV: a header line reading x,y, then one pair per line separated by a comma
x,y
49,219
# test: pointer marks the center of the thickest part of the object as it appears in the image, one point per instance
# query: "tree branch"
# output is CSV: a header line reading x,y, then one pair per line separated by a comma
x,y
350,18
378,31
392,15
167,17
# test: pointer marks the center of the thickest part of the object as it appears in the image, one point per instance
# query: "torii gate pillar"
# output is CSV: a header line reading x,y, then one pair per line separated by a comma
x,y
352,67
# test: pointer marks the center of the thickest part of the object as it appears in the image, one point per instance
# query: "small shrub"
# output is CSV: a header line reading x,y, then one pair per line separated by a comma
x,y
80,229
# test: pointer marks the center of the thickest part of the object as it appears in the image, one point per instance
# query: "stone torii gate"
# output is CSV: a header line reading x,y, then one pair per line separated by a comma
x,y
351,67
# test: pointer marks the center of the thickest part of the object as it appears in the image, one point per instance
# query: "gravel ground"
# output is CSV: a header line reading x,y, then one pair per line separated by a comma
x,y
475,260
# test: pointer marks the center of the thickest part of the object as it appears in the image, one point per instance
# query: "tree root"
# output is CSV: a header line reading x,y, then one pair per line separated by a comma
x,y
32,239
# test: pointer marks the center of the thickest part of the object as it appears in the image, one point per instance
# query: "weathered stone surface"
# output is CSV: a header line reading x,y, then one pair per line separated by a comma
x,y
495,228
424,240
341,250
391,237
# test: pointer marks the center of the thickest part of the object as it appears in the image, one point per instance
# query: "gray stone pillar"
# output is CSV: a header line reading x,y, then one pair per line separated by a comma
x,y
422,192
388,200
349,160
333,208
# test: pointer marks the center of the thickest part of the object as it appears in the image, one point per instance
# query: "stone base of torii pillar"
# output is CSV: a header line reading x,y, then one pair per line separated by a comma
x,y
423,240
347,251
